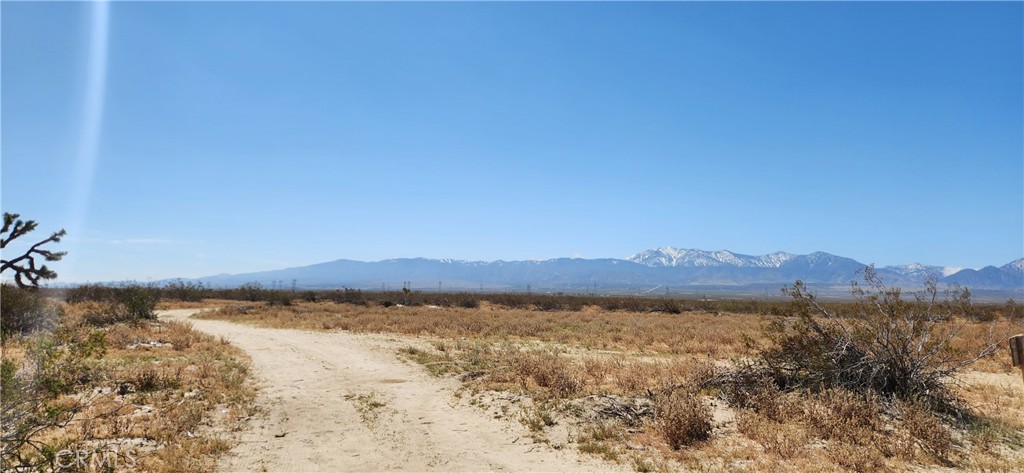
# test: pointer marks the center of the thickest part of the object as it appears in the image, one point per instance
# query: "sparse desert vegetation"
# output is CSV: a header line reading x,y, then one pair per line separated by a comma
x,y
883,383
713,390
103,386
516,236
696,333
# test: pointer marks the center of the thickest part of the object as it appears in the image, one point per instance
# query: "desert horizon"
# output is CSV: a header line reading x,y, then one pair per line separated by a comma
x,y
511,236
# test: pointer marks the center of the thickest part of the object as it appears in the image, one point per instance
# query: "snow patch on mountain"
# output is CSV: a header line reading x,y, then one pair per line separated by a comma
x,y
668,256
907,268
1015,265
920,270
777,259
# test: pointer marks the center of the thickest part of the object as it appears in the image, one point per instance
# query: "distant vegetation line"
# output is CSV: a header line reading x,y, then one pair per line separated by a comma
x,y
253,292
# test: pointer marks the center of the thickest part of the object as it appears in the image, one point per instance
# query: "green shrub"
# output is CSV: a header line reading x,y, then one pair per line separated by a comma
x,y
280,298
348,296
60,362
187,291
25,311
251,291
126,303
89,292
31,394
138,302
671,306
469,303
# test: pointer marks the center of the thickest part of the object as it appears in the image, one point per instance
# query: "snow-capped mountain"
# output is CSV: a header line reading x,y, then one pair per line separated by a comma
x,y
1009,275
1015,265
913,268
917,270
668,256
724,267
666,266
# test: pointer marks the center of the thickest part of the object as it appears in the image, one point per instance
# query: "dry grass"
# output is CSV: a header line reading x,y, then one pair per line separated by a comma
x,y
635,387
782,440
163,396
168,304
974,334
682,418
995,395
698,333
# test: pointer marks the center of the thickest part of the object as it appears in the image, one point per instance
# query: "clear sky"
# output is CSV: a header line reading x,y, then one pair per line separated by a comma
x,y
188,139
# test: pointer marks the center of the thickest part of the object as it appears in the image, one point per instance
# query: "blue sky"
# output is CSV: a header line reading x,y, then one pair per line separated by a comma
x,y
234,137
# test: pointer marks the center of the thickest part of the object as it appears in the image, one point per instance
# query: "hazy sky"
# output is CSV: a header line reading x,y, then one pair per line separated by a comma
x,y
187,139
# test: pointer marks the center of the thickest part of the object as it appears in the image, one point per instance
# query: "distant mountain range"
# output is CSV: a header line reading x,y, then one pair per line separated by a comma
x,y
644,271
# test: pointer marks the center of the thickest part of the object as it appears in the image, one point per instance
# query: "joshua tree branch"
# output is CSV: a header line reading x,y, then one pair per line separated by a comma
x,y
26,272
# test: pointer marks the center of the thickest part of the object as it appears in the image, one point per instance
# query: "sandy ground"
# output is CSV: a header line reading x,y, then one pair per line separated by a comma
x,y
340,401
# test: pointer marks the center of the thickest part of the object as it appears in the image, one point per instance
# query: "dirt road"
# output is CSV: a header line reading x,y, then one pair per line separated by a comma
x,y
340,401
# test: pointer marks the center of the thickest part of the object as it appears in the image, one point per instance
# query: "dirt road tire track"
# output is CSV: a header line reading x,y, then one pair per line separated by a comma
x,y
338,401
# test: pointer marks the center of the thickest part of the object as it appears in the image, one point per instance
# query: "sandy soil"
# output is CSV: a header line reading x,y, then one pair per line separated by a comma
x,y
340,401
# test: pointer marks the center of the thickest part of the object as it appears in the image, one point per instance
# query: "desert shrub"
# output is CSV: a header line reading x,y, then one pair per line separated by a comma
x,y
468,303
128,303
635,377
671,306
927,432
682,418
348,296
783,439
188,291
753,389
627,304
25,311
597,369
845,416
89,292
312,296
509,300
887,345
138,301
574,304
149,379
547,304
856,458
180,334
60,362
740,385
538,417
32,393
549,370
100,314
12,386
639,377
251,291
279,297
1011,310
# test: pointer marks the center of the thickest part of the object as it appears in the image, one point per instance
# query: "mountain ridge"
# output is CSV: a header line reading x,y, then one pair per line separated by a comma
x,y
665,266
